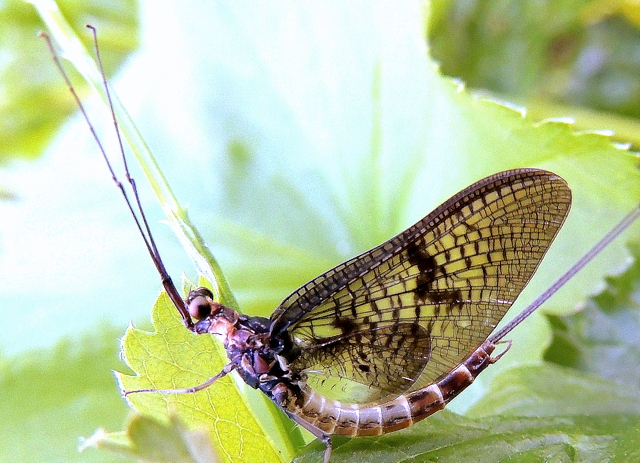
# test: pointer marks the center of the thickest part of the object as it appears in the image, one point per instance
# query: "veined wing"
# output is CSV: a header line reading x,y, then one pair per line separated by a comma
x,y
403,314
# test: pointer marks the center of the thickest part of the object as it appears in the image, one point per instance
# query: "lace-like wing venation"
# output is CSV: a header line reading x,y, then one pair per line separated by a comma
x,y
455,273
367,365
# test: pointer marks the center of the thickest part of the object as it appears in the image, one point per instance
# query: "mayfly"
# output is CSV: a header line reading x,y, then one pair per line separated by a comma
x,y
389,337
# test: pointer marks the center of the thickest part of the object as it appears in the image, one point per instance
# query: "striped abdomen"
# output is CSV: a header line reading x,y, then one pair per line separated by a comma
x,y
333,417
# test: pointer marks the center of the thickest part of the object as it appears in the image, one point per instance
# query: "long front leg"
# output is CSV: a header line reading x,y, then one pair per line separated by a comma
x,y
228,368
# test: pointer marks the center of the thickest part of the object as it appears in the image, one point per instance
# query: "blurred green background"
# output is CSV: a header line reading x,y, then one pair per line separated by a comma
x,y
264,120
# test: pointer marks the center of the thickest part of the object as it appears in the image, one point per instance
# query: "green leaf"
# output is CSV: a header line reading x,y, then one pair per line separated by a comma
x,y
567,58
549,390
447,437
319,155
603,338
173,357
29,80
52,397
533,413
149,440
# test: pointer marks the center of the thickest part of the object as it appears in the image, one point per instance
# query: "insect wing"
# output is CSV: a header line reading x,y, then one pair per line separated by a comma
x,y
403,314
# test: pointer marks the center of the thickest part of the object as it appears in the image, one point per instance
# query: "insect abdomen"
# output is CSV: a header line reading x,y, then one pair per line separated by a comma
x,y
334,417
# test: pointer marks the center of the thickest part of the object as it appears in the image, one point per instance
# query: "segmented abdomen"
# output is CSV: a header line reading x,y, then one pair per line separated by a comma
x,y
335,417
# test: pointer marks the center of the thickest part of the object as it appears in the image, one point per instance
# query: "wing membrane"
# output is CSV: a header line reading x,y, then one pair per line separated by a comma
x,y
455,273
370,364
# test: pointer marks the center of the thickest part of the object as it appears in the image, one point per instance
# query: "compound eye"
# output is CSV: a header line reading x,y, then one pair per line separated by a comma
x,y
199,307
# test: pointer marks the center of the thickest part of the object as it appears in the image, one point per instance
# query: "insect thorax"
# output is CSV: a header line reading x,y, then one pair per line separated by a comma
x,y
254,354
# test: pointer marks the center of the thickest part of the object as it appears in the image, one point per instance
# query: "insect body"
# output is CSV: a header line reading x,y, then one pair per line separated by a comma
x,y
390,336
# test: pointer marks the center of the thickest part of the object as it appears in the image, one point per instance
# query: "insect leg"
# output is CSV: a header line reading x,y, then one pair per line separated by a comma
x,y
318,433
228,368
506,349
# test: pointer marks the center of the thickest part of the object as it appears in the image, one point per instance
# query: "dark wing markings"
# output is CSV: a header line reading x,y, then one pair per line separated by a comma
x,y
370,365
455,273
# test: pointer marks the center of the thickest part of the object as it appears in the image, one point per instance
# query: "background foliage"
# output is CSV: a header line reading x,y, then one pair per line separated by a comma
x,y
300,137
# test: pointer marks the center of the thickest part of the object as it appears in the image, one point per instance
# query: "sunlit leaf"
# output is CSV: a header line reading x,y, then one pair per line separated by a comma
x,y
53,397
314,144
30,83
150,440
541,414
173,357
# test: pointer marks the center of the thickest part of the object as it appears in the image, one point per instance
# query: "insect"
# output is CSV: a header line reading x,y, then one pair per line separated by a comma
x,y
389,337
